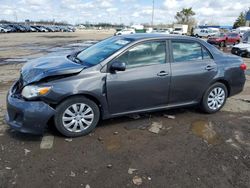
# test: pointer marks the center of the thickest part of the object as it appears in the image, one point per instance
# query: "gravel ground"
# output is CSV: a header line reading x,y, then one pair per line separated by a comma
x,y
174,148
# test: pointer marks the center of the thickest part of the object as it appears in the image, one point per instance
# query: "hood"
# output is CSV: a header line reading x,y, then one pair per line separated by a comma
x,y
242,45
40,68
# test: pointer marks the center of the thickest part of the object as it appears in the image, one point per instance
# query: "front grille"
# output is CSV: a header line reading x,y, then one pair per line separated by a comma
x,y
17,88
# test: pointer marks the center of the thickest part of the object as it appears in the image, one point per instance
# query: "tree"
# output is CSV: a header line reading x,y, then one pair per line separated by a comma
x,y
185,16
240,21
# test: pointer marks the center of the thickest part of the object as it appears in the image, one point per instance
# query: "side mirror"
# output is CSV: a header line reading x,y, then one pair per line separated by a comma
x,y
118,66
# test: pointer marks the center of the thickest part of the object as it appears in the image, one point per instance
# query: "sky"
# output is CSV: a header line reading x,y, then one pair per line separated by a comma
x,y
222,12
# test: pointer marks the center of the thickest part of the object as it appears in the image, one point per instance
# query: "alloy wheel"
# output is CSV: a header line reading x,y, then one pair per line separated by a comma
x,y
216,98
78,117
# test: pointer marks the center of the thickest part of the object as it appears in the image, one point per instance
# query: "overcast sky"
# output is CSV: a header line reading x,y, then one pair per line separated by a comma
x,y
223,12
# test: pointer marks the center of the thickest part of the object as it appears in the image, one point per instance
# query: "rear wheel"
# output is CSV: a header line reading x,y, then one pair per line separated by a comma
x,y
76,116
214,98
223,44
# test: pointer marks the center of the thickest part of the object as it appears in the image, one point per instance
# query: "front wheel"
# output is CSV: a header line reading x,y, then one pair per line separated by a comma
x,y
76,116
214,98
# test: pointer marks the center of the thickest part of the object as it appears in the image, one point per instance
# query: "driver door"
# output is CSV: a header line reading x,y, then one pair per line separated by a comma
x,y
145,82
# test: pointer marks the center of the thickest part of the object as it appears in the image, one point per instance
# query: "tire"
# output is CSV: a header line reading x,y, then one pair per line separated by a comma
x,y
71,121
223,44
197,36
208,101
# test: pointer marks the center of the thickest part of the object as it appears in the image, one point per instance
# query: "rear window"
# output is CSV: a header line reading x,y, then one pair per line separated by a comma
x,y
185,51
232,34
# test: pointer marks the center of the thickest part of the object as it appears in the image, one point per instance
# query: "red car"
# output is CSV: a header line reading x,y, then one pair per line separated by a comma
x,y
223,39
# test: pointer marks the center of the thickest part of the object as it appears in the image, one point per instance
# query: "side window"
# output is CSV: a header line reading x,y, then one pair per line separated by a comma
x,y
147,53
184,51
206,54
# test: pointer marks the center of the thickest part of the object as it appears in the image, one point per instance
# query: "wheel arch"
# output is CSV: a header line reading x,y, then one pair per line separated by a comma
x,y
225,82
88,96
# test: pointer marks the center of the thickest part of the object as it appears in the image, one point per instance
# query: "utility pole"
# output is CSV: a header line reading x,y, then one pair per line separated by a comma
x,y
153,11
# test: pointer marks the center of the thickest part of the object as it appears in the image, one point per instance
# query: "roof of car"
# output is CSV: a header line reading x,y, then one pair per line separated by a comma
x,y
141,36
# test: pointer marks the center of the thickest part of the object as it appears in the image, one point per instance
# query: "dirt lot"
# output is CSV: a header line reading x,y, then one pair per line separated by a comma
x,y
191,149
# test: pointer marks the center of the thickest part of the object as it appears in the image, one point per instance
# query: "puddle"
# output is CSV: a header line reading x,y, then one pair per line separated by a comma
x,y
204,130
113,143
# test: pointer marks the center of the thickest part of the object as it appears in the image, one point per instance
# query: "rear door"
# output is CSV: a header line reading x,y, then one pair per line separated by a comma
x,y
193,68
145,82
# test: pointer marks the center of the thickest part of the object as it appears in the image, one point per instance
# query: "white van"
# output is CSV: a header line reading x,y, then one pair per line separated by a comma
x,y
242,30
206,32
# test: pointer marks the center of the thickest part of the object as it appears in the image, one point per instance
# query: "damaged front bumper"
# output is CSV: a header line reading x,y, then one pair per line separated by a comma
x,y
27,116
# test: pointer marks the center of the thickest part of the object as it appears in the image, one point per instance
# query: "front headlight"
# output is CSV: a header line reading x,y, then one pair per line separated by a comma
x,y
34,91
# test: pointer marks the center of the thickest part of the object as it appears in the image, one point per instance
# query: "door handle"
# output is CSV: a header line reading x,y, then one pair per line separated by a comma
x,y
209,67
162,73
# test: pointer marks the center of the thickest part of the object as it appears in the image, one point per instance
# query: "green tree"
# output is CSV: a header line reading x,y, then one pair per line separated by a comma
x,y
240,21
185,16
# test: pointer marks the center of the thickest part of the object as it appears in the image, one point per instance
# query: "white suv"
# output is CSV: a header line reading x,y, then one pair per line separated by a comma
x,y
125,32
204,33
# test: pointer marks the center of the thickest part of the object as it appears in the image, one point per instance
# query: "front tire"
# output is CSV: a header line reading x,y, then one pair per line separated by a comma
x,y
214,98
77,116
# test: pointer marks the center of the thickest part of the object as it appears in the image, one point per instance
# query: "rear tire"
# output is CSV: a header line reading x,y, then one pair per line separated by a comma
x,y
76,116
223,44
214,98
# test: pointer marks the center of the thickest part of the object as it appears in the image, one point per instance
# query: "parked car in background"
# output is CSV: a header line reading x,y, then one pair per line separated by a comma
x,y
243,49
3,29
225,38
42,28
27,28
8,27
242,30
125,31
180,29
17,27
161,31
205,32
14,27
122,75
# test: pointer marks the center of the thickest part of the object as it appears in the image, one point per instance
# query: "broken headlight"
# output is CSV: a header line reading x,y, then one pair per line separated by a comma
x,y
34,91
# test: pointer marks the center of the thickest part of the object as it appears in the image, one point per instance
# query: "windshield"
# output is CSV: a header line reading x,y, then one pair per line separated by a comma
x,y
246,37
220,35
102,50
177,29
232,34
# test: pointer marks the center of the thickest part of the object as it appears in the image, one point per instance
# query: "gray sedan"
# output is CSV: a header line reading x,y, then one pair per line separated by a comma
x,y
122,75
